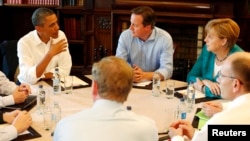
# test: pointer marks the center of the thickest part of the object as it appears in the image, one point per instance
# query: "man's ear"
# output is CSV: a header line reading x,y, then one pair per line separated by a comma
x,y
94,88
38,28
236,85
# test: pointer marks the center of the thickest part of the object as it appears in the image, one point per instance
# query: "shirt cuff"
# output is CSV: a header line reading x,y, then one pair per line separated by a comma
x,y
8,100
177,138
11,132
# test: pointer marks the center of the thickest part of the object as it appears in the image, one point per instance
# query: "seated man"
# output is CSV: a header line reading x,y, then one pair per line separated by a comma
x,y
18,122
234,82
43,49
146,47
108,119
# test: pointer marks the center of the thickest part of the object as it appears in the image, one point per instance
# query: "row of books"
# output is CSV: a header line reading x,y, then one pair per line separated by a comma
x,y
73,2
72,28
33,2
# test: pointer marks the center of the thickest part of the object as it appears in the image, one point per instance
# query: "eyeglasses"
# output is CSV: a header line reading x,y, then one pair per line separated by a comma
x,y
220,75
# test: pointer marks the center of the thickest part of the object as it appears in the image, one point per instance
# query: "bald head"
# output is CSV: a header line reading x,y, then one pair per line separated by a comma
x,y
240,67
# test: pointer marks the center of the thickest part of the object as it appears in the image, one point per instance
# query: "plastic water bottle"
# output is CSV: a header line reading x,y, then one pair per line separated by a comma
x,y
56,114
56,82
182,109
190,99
156,84
41,99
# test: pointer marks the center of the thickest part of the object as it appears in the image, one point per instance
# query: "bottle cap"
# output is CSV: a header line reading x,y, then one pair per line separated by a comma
x,y
129,108
182,99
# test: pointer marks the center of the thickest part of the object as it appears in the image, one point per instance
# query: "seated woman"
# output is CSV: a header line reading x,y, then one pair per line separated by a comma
x,y
221,37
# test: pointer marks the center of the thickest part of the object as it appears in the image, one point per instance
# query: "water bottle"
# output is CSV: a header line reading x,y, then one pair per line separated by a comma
x,y
190,98
56,82
156,84
56,114
182,109
41,99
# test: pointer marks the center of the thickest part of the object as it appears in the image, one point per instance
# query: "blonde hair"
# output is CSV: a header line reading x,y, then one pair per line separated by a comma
x,y
225,28
114,78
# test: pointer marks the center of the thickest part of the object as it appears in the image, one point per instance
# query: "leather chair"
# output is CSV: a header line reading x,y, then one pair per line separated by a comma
x,y
9,60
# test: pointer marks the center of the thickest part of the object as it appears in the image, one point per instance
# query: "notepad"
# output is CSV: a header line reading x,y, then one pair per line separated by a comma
x,y
29,103
202,119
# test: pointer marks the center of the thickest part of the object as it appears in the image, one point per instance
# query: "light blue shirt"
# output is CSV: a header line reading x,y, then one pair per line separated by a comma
x,y
106,121
155,54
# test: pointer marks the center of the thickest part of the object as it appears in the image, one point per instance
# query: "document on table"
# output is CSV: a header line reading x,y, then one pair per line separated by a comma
x,y
76,81
142,84
198,94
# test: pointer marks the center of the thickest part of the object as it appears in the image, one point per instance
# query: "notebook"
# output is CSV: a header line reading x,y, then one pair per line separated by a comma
x,y
29,103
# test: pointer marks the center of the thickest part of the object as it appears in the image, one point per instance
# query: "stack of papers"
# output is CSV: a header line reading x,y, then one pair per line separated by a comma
x,y
67,81
142,84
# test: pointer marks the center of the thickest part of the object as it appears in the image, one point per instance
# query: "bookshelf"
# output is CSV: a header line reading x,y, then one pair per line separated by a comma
x,y
94,26
74,17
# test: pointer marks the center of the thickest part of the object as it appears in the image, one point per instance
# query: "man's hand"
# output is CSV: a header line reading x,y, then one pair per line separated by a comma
x,y
21,93
9,117
181,127
48,75
22,121
138,73
211,108
58,47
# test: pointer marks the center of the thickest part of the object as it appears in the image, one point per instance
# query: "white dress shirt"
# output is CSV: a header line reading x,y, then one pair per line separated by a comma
x,y
237,112
106,121
8,133
31,50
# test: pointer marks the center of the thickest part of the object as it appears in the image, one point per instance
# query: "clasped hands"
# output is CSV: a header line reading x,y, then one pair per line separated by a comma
x,y
21,93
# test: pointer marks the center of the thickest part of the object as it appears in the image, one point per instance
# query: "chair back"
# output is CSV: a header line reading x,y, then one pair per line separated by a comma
x,y
9,59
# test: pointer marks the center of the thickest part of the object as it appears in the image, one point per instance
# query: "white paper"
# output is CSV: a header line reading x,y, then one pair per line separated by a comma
x,y
141,84
76,81
198,94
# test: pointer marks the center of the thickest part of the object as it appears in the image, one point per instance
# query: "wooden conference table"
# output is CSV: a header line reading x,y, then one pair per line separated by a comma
x,y
141,101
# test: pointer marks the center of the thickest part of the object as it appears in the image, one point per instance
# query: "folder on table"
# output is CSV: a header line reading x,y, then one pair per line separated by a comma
x,y
29,103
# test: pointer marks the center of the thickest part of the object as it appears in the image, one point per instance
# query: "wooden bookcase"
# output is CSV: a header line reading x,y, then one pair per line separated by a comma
x,y
93,27
75,19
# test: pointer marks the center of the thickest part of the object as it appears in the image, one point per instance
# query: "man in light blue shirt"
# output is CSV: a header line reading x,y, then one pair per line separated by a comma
x,y
108,119
145,47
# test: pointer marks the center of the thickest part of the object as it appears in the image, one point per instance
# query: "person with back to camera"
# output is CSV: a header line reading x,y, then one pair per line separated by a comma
x,y
221,37
234,83
146,47
108,119
18,121
43,49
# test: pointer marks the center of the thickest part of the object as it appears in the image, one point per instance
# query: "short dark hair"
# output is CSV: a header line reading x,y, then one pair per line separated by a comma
x,y
38,16
148,14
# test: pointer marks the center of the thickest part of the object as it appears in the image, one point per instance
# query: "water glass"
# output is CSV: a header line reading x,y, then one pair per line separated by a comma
x,y
47,118
170,86
68,84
